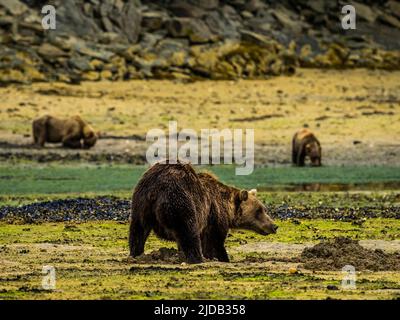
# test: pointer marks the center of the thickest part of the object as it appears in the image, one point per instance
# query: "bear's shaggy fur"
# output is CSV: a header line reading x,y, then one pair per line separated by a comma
x,y
305,144
68,131
195,210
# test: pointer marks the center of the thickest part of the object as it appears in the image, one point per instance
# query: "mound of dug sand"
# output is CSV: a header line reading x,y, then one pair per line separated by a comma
x,y
335,253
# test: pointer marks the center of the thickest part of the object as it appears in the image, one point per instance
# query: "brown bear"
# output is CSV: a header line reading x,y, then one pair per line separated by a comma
x,y
193,209
68,131
305,144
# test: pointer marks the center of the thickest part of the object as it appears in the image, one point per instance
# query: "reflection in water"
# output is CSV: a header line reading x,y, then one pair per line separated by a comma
x,y
326,187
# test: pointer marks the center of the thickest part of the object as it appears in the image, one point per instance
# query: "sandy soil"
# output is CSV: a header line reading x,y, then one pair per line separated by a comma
x,y
355,114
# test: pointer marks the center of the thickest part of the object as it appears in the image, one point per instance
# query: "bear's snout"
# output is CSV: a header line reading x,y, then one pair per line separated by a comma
x,y
268,229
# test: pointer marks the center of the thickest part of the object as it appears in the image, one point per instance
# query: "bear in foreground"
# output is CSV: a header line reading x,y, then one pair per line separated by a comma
x,y
305,144
193,209
71,132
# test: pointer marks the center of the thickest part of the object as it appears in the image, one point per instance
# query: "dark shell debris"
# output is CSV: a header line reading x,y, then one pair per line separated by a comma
x,y
113,208
78,209
335,213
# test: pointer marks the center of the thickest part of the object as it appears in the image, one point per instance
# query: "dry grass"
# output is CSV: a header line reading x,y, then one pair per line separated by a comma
x,y
330,102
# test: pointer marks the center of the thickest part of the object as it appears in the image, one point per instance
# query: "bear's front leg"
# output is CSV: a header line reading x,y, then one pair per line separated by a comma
x,y
301,156
71,143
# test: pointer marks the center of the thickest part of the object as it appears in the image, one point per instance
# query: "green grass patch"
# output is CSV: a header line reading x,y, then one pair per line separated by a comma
x,y
36,179
91,262
106,234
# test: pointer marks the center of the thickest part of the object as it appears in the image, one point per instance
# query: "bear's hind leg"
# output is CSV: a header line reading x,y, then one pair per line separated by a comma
x,y
294,152
189,242
221,253
294,157
39,132
301,156
137,237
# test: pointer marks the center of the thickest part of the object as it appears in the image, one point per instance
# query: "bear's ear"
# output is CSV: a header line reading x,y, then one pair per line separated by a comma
x,y
243,195
253,192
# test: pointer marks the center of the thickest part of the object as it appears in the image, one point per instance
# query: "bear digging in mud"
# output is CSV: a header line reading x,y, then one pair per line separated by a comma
x,y
193,209
305,144
68,131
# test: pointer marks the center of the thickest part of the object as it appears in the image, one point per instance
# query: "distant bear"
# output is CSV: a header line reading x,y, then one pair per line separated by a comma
x,y
195,210
305,144
68,131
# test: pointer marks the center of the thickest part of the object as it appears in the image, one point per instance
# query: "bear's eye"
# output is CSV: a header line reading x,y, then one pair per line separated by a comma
x,y
259,212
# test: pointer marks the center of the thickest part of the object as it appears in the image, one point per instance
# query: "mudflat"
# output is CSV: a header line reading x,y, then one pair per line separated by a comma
x,y
354,113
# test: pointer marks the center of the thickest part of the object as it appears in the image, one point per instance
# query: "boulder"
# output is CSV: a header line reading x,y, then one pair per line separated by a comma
x,y
149,40
389,20
153,20
175,52
96,64
90,76
81,63
287,20
254,5
230,14
185,9
72,21
206,4
394,7
85,48
364,12
256,38
74,18
194,29
106,75
13,7
130,21
317,6
219,25
51,52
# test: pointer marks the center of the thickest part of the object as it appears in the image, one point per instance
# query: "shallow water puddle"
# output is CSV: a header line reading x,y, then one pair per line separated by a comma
x,y
333,187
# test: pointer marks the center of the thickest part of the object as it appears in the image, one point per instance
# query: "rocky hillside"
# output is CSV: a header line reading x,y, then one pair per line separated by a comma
x,y
174,39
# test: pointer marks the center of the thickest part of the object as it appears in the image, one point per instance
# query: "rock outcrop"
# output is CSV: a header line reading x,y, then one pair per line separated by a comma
x,y
176,39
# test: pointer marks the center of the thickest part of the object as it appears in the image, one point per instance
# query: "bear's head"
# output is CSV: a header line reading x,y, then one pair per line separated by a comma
x,y
89,137
252,214
313,151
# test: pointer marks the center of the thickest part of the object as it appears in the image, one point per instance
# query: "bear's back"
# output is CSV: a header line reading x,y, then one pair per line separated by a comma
x,y
166,178
304,133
